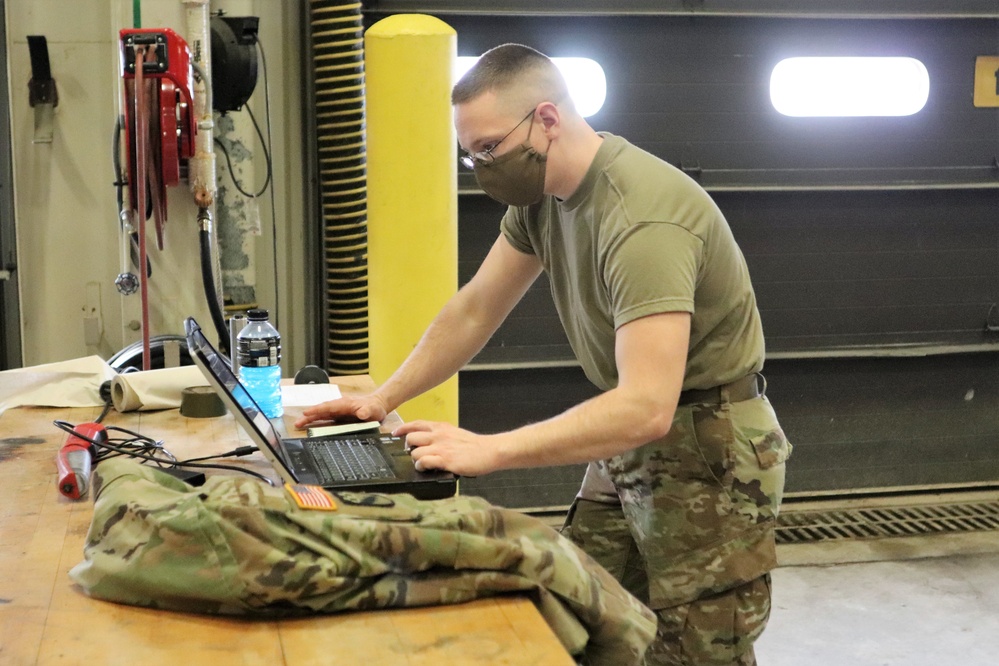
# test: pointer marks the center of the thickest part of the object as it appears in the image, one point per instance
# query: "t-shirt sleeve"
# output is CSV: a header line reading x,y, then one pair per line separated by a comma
x,y
652,268
514,227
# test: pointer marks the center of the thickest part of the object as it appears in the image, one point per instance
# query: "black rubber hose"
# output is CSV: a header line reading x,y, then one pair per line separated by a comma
x,y
208,278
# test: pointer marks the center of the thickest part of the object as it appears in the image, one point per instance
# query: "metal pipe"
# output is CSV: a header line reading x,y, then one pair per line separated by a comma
x,y
201,167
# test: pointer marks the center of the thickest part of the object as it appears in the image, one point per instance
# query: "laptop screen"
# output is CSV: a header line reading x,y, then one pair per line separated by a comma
x,y
219,367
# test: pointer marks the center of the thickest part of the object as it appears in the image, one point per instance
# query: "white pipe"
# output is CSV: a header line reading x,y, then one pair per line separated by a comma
x,y
201,167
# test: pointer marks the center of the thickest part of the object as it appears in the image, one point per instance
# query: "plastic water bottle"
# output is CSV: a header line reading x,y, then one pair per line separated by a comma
x,y
259,351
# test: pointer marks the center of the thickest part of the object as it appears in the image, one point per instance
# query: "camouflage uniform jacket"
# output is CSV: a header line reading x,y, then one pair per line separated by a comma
x,y
238,546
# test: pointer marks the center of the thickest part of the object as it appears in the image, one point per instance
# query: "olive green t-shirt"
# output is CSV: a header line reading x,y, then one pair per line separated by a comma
x,y
639,237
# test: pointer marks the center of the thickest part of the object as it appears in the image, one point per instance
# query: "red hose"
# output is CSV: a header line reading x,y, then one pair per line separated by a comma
x,y
141,137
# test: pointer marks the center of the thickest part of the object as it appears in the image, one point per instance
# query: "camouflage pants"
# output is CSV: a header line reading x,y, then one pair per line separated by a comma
x,y
718,629
693,534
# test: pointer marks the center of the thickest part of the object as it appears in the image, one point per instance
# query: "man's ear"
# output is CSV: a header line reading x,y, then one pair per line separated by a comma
x,y
550,116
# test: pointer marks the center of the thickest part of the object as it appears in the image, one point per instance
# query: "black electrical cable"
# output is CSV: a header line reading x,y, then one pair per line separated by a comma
x,y
105,393
119,182
137,451
133,449
267,160
199,465
112,448
208,280
270,141
241,451
104,412
264,143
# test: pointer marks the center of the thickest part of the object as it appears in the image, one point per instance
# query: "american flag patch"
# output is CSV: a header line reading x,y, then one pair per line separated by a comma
x,y
315,498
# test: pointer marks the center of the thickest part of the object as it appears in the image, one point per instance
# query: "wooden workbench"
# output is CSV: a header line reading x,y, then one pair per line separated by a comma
x,y
45,618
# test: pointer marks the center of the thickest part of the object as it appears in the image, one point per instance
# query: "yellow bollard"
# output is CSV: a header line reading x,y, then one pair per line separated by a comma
x,y
412,195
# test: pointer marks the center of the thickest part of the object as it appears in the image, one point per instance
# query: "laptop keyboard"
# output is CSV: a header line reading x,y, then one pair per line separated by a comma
x,y
349,460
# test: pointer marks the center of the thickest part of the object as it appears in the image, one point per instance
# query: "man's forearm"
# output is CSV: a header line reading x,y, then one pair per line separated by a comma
x,y
650,354
604,426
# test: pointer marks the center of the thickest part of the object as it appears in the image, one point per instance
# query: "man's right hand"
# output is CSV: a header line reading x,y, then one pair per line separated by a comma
x,y
355,408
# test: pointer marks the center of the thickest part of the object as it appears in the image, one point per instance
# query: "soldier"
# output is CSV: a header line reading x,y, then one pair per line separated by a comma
x,y
686,457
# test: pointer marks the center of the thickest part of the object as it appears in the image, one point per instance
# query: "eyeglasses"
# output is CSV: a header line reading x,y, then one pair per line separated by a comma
x,y
486,156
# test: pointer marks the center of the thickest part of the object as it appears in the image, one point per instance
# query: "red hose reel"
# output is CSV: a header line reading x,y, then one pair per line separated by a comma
x,y
164,110
159,133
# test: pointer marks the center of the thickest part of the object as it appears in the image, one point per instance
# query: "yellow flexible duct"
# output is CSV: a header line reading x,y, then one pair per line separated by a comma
x,y
338,63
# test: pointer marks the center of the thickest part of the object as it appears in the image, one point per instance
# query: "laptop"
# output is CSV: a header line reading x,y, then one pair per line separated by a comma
x,y
373,462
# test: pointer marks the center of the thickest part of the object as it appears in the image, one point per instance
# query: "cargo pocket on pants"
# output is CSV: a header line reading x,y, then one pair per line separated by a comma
x,y
717,630
771,448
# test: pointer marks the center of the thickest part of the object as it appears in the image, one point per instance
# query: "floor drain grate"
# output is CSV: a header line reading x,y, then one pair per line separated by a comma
x,y
874,523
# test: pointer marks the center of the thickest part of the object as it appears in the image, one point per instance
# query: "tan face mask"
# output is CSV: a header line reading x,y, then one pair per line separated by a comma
x,y
516,178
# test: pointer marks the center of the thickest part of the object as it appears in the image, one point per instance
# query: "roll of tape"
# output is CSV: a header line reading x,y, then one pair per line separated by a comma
x,y
200,402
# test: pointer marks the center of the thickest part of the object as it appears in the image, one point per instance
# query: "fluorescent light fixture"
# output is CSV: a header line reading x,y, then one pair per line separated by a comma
x,y
585,78
849,86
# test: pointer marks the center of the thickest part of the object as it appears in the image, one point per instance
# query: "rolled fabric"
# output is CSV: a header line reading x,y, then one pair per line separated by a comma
x,y
154,389
73,383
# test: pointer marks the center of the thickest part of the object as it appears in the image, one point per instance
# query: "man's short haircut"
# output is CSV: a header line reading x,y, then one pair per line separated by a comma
x,y
508,66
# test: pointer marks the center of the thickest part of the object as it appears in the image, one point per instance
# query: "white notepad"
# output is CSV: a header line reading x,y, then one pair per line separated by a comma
x,y
307,395
344,429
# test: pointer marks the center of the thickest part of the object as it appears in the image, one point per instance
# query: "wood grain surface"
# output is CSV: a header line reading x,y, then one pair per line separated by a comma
x,y
45,618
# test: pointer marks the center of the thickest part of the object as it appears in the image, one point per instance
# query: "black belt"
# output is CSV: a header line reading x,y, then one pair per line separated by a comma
x,y
747,388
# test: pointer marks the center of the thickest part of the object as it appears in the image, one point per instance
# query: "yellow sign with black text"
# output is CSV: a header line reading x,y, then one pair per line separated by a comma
x,y
987,81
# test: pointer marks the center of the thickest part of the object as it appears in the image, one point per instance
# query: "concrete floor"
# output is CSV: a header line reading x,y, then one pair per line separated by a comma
x,y
938,611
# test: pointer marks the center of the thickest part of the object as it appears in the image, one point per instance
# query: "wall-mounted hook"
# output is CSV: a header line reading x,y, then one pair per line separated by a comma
x,y
42,93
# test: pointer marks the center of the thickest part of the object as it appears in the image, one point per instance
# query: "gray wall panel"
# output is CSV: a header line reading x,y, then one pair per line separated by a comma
x,y
834,269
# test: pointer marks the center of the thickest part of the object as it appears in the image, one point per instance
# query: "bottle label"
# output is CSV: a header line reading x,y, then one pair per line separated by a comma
x,y
258,352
